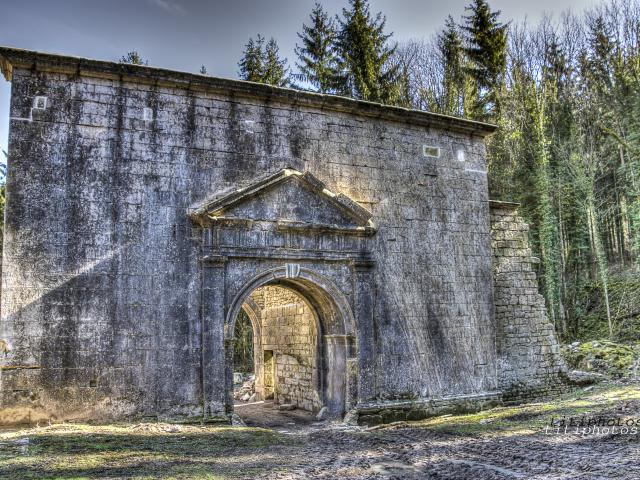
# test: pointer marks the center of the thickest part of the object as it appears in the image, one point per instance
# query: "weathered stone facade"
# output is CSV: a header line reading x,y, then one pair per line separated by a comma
x,y
145,207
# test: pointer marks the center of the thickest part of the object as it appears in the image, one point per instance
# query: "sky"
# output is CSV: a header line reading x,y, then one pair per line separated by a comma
x,y
185,34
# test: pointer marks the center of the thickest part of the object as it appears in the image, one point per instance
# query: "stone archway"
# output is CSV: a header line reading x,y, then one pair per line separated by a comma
x,y
289,229
287,352
328,359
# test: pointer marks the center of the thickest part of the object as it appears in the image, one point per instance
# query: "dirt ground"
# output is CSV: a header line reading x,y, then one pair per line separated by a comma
x,y
504,443
266,415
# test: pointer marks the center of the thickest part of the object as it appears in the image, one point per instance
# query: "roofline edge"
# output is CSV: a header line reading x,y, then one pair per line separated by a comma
x,y
11,58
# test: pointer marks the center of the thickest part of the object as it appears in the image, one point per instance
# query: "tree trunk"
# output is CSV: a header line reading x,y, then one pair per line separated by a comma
x,y
600,258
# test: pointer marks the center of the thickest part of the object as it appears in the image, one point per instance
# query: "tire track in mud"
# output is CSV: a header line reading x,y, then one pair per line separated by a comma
x,y
418,453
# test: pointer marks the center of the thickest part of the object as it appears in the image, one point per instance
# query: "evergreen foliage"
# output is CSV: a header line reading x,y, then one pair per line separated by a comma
x,y
486,50
350,55
133,58
317,57
261,63
366,71
275,68
454,81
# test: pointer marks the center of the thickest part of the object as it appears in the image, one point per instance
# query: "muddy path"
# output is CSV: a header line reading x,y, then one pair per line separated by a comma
x,y
415,453
523,442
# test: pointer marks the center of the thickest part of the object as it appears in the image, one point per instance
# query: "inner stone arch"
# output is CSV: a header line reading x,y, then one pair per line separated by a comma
x,y
303,339
286,347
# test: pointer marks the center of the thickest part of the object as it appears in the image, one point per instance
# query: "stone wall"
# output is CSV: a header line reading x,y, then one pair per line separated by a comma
x,y
529,360
102,282
289,330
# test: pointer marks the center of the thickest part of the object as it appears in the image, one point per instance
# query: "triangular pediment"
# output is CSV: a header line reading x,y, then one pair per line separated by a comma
x,y
290,199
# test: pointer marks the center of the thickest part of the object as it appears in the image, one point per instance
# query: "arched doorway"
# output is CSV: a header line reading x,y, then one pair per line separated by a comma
x,y
303,336
288,229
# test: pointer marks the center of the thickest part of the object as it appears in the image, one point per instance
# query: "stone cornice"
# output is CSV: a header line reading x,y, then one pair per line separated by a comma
x,y
14,58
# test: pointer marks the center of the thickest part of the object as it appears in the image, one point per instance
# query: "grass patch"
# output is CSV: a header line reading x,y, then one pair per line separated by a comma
x,y
138,451
533,417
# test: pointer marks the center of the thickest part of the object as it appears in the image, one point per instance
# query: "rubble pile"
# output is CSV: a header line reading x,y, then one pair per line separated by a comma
x,y
246,392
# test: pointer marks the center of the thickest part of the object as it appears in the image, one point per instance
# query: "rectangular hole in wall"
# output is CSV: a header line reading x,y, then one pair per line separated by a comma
x,y
429,151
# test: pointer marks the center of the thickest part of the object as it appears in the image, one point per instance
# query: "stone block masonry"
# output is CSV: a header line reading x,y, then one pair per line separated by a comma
x,y
529,360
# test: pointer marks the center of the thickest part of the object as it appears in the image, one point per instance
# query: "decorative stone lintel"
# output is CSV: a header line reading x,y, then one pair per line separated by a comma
x,y
286,255
286,226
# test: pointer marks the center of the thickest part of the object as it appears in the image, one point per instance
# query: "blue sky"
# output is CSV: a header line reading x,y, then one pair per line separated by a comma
x,y
185,34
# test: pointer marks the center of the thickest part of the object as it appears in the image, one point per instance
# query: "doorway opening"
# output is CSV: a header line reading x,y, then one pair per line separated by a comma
x,y
303,345
282,369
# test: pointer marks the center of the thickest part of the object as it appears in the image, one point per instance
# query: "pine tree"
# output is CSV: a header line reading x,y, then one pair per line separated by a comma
x,y
454,78
317,59
366,72
598,62
487,52
252,63
275,68
555,68
261,63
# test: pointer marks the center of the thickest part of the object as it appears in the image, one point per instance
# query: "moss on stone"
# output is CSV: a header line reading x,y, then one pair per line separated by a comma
x,y
609,358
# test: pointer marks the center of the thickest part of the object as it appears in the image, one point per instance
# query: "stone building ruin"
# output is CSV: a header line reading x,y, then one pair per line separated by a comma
x,y
146,208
